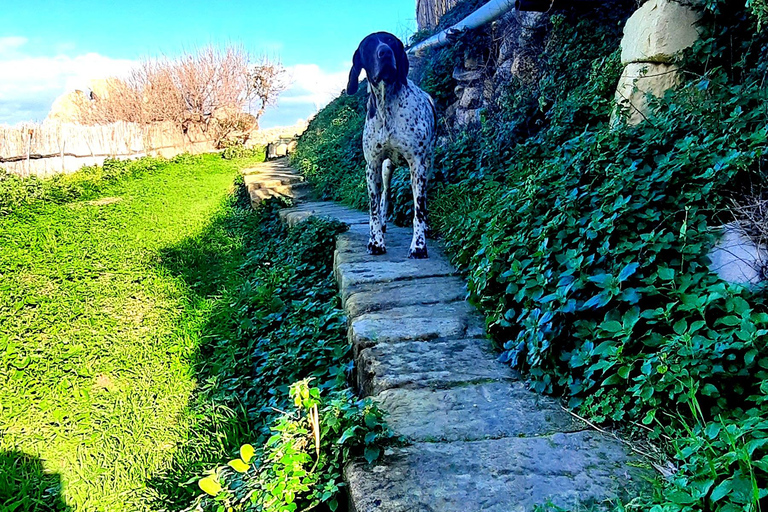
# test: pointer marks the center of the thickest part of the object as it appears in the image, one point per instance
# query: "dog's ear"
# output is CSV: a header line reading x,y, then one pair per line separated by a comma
x,y
354,73
401,59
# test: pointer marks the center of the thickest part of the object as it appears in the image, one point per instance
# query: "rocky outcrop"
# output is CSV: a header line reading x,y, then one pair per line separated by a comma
x,y
481,79
654,37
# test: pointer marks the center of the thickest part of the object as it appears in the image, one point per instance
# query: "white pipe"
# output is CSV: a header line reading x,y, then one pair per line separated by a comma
x,y
491,11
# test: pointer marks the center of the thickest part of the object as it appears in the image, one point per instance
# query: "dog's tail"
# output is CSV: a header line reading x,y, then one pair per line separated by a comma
x,y
434,110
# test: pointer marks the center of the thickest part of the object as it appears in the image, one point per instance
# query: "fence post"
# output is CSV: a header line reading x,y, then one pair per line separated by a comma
x,y
29,150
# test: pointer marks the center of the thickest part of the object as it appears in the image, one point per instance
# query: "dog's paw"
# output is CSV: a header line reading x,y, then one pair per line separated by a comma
x,y
419,253
376,250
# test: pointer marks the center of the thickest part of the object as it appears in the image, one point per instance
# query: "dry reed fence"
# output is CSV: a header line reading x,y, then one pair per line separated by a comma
x,y
55,147
429,12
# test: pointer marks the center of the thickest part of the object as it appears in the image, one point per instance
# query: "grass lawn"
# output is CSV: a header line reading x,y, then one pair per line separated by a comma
x,y
101,316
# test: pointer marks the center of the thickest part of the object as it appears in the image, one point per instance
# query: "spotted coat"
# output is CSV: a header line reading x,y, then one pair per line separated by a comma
x,y
400,121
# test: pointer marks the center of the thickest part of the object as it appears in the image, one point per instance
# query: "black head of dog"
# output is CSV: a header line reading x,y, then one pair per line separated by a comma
x,y
383,58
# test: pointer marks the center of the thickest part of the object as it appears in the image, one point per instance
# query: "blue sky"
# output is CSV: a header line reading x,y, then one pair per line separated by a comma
x,y
48,47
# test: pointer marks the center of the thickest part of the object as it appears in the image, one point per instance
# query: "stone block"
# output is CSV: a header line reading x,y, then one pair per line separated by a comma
x,y
428,364
637,82
658,31
490,410
575,471
738,259
410,323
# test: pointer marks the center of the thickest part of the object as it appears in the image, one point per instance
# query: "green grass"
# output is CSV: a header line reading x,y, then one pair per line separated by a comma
x,y
102,312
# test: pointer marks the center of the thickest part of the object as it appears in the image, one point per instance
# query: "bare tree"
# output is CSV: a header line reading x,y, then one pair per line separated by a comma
x,y
268,79
209,88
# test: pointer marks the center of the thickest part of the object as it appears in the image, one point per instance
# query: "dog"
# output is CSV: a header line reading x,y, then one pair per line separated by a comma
x,y
400,120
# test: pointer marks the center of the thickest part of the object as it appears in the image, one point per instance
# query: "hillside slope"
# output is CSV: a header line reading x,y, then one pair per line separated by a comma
x,y
585,244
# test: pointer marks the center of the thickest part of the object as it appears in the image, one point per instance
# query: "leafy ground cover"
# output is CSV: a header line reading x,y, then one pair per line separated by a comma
x,y
152,324
584,243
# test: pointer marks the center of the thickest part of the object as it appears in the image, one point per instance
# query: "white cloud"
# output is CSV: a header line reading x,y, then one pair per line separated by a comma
x,y
30,83
313,85
311,89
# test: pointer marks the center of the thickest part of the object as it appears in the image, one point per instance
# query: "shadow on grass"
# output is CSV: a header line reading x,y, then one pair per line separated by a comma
x,y
25,486
210,265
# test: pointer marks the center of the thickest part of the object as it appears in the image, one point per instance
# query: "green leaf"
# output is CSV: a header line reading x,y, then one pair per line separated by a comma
x,y
604,347
348,434
666,273
722,490
372,453
611,326
628,271
371,420
209,485
712,430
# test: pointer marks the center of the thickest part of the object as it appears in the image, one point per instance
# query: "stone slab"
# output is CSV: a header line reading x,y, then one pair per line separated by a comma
x,y
426,322
353,275
351,246
382,296
298,214
573,471
428,364
489,410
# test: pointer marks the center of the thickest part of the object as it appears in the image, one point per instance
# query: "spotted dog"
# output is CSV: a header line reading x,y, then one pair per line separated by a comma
x,y
400,121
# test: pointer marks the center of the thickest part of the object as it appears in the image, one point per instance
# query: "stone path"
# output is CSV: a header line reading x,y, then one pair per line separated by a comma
x,y
477,439
274,179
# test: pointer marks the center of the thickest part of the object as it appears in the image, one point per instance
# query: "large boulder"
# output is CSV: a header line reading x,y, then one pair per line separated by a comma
x,y
638,82
69,107
737,258
658,31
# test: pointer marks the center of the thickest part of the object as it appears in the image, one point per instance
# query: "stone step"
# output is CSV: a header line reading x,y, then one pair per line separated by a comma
x,y
428,364
574,471
490,410
378,296
303,211
412,323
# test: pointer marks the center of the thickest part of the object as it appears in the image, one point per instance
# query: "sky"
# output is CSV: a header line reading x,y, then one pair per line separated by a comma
x,y
49,47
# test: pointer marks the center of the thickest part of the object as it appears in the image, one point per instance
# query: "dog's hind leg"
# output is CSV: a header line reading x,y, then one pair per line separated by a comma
x,y
373,179
419,168
386,175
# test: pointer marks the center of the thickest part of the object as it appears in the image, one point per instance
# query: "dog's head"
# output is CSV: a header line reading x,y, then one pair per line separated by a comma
x,y
383,58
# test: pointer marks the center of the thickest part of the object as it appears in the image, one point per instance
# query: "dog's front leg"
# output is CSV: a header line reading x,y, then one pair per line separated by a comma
x,y
373,178
419,169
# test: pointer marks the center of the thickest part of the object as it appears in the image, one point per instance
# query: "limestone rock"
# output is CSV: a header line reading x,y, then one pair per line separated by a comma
x,y
471,97
737,259
467,117
489,410
68,106
658,31
637,82
577,471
